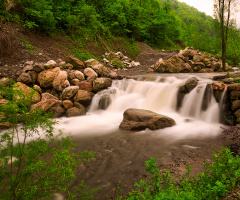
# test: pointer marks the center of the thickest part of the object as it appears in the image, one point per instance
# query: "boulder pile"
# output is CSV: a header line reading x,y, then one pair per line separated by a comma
x,y
62,87
189,61
118,60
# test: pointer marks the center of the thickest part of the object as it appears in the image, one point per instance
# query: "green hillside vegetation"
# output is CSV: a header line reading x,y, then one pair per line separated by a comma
x,y
203,32
166,24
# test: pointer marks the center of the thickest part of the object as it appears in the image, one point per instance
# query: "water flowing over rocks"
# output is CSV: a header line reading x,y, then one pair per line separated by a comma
x,y
74,82
139,119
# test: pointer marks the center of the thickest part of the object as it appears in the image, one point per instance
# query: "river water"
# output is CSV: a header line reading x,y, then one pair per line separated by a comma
x,y
120,155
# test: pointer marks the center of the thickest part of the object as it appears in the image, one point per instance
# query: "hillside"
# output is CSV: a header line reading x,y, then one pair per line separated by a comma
x,y
40,30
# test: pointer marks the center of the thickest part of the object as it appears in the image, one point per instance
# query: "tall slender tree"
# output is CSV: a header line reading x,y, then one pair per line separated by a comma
x,y
223,10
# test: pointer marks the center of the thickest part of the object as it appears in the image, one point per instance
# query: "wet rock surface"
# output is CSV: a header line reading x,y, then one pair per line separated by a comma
x,y
139,119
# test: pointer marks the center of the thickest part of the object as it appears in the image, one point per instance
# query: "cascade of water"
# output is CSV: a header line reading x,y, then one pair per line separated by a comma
x,y
160,96
201,104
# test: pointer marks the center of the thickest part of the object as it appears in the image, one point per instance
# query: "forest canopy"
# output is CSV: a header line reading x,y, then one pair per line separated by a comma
x,y
164,24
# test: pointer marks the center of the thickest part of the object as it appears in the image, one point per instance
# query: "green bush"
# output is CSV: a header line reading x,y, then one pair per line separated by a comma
x,y
35,164
219,178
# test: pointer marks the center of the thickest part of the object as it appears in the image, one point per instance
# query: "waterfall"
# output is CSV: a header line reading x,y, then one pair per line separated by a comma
x,y
198,115
160,97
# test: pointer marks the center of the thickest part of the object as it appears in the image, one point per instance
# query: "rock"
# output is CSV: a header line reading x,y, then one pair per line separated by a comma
x,y
175,60
25,92
33,76
28,63
192,53
198,66
191,63
99,68
48,96
69,92
3,102
216,66
78,105
228,80
198,58
101,83
237,114
185,52
85,86
91,74
77,64
67,104
25,78
138,119
68,66
184,58
234,86
186,68
62,65
4,81
72,112
113,75
5,125
235,105
71,74
227,117
84,97
150,70
37,88
219,77
59,80
38,67
79,75
51,64
27,68
75,81
218,86
235,95
55,93
44,105
191,83
168,67
91,62
57,111
46,77
207,70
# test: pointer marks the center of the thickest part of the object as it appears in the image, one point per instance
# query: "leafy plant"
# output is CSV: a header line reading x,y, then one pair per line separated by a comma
x,y
27,44
219,178
34,164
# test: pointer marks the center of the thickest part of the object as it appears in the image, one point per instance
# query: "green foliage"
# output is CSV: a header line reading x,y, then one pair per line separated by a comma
x,y
82,55
34,164
219,178
27,44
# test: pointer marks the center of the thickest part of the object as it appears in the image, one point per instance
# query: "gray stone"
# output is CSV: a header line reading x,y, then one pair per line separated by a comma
x,y
191,83
138,119
101,83
74,111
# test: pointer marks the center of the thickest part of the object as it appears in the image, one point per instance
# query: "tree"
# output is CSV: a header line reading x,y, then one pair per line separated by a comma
x,y
223,10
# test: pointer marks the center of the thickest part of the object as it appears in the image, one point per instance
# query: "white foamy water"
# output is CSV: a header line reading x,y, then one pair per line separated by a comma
x,y
159,96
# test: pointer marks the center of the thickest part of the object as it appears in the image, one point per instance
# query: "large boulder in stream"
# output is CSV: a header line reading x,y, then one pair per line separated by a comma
x,y
139,119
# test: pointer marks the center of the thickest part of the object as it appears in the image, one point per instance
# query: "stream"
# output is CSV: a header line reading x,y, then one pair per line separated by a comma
x,y
120,155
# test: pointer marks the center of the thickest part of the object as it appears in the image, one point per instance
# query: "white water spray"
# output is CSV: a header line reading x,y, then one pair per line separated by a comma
x,y
106,111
